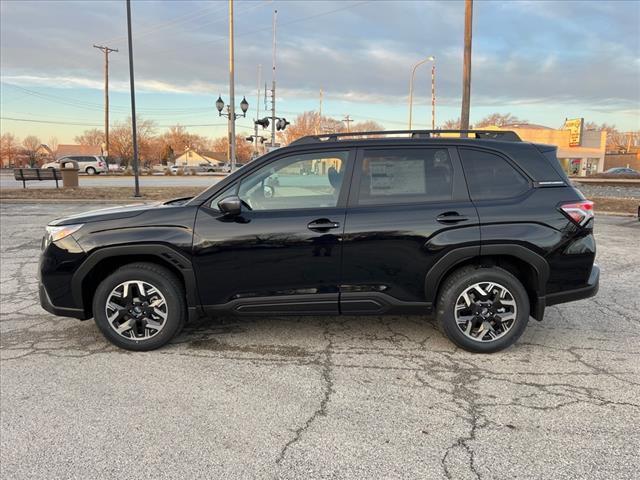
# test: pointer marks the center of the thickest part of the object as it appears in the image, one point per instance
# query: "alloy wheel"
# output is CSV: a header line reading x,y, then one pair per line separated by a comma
x,y
485,311
136,310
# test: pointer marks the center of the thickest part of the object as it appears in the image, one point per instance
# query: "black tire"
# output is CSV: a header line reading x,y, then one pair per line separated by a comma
x,y
464,278
90,171
169,286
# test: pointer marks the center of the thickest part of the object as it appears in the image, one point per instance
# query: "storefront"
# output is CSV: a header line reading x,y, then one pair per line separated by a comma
x,y
581,152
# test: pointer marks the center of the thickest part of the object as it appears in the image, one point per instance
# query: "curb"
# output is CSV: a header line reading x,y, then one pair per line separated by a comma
x,y
123,201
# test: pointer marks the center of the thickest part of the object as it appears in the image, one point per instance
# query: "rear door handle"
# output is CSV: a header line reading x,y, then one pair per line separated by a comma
x,y
322,225
451,217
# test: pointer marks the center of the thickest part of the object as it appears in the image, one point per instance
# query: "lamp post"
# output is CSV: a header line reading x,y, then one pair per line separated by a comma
x,y
232,116
433,91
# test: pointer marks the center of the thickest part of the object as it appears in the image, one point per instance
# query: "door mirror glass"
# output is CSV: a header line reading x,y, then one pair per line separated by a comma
x,y
230,205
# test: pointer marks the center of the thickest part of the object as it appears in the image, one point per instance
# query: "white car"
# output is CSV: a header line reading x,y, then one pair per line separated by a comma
x,y
89,164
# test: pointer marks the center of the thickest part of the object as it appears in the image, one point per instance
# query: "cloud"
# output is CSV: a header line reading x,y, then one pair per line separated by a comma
x,y
362,53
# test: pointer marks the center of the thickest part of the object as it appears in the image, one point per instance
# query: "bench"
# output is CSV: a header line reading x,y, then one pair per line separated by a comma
x,y
29,174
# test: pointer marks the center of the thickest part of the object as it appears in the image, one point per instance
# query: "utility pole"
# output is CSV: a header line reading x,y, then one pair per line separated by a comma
x,y
107,51
232,98
466,72
433,95
273,84
347,119
133,105
255,125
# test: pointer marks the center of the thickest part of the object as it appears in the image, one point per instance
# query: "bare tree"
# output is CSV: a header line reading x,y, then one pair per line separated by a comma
x,y
31,144
9,148
616,141
121,141
53,146
178,138
498,120
451,125
244,149
93,137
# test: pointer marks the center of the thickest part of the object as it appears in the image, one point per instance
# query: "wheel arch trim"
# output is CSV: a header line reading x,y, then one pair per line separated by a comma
x,y
164,253
452,259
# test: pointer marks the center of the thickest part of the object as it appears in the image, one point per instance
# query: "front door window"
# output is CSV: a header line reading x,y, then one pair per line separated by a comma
x,y
301,181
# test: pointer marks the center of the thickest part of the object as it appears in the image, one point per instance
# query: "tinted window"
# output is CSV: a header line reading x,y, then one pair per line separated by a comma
x,y
405,175
490,176
294,182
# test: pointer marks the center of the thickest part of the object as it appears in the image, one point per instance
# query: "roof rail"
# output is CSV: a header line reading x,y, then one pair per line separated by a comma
x,y
504,135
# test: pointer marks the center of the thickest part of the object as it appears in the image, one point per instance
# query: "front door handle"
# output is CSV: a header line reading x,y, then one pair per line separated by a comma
x,y
322,225
451,218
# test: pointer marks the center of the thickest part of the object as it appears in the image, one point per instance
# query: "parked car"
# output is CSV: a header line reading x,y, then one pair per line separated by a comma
x,y
622,171
193,169
484,232
91,165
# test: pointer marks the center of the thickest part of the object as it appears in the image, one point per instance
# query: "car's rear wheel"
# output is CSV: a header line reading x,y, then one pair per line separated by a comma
x,y
140,306
91,171
483,309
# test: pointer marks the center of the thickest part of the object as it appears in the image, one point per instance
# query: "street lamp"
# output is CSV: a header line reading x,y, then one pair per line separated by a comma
x,y
232,116
433,90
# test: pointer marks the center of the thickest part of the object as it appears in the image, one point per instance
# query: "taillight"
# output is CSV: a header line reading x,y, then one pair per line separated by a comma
x,y
580,212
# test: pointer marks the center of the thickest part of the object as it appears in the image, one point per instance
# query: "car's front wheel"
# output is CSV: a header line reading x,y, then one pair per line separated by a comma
x,y
483,309
140,306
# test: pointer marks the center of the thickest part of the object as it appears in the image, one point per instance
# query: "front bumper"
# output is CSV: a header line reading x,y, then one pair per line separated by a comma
x,y
46,303
579,293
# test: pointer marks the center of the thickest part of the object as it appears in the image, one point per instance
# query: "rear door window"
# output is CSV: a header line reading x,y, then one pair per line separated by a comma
x,y
409,175
490,177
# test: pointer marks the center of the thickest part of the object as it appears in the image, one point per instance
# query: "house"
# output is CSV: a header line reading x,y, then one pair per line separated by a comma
x,y
64,150
193,158
44,152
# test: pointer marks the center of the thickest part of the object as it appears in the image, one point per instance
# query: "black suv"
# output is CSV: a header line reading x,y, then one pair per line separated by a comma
x,y
478,227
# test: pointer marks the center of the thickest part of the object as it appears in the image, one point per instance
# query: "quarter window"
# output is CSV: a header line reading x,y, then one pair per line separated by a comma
x,y
490,176
295,182
405,176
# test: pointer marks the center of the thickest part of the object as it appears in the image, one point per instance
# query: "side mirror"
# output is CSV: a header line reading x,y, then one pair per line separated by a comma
x,y
230,206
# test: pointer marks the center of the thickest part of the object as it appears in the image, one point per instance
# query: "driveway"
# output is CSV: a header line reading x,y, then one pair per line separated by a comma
x,y
320,397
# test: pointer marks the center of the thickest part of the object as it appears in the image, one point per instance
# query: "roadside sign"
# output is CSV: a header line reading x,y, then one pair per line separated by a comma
x,y
575,126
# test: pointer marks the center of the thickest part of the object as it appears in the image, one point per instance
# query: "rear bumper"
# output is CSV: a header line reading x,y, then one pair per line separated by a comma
x,y
46,303
579,293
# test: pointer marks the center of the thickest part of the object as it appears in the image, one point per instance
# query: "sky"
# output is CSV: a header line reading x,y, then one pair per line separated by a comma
x,y
542,61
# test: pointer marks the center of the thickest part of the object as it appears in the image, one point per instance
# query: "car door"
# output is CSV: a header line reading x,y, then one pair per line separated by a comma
x,y
282,253
408,208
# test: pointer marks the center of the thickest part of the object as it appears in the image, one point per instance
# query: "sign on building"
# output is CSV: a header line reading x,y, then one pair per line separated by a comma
x,y
574,126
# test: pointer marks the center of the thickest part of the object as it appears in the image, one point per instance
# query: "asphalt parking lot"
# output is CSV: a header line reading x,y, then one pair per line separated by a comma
x,y
322,397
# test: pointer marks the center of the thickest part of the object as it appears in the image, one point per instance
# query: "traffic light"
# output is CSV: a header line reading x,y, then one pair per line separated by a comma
x,y
282,123
263,122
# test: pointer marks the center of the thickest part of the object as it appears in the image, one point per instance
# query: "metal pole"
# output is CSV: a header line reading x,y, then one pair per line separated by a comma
x,y
255,125
466,72
133,105
106,100
273,84
413,74
232,98
433,95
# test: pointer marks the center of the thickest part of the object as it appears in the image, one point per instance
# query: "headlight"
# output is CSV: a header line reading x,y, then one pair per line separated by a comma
x,y
55,233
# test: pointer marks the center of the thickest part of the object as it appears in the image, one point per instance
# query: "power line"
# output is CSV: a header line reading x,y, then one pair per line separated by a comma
x,y
59,122
296,20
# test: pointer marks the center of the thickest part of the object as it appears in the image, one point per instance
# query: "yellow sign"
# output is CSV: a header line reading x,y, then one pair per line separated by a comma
x,y
575,131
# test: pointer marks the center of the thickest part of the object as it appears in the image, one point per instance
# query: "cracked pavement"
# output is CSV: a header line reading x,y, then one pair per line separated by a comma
x,y
319,397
